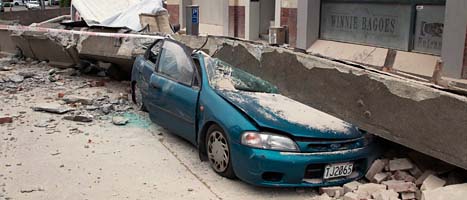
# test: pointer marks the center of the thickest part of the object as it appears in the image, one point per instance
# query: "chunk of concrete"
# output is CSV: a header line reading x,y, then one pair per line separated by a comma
x,y
416,172
380,177
432,182
403,176
77,99
335,191
408,195
400,186
368,189
323,196
451,192
52,108
79,118
350,187
119,120
376,167
351,196
422,178
400,164
386,195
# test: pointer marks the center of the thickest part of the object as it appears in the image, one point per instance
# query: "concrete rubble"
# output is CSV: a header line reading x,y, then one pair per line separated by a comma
x,y
384,182
43,156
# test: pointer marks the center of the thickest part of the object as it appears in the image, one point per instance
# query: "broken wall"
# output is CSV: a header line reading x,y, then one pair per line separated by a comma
x,y
27,17
58,49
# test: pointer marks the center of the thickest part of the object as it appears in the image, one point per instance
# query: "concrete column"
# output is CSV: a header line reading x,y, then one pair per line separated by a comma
x,y
455,24
182,12
225,7
252,18
308,19
277,13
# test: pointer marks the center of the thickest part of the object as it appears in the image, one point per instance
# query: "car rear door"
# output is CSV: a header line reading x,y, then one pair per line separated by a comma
x,y
175,90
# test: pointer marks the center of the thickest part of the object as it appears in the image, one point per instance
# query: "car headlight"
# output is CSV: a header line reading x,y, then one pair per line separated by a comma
x,y
270,141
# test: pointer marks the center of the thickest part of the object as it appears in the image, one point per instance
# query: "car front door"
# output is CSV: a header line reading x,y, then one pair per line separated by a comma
x,y
175,90
145,68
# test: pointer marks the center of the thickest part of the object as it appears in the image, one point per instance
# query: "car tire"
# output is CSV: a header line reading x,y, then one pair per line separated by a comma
x,y
218,152
137,97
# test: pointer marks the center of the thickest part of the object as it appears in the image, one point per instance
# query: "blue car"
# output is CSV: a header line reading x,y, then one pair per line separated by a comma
x,y
242,125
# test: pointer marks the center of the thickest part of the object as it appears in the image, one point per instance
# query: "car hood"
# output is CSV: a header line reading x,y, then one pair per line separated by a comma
x,y
275,111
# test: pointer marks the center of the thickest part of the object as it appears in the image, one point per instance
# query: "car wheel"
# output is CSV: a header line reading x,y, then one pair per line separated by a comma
x,y
138,98
218,151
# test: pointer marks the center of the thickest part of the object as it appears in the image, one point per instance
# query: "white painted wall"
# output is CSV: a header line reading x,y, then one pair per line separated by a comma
x,y
308,19
455,24
214,15
252,20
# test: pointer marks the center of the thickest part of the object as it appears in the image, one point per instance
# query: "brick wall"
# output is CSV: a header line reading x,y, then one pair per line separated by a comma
x,y
174,13
289,18
237,21
27,17
464,71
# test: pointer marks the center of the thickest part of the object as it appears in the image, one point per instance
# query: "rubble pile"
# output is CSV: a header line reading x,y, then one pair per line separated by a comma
x,y
83,95
18,75
400,179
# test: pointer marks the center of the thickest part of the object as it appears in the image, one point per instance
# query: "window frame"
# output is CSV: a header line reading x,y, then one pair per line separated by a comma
x,y
191,62
149,51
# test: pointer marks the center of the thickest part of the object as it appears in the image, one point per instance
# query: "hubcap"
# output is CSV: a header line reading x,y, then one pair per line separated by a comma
x,y
218,151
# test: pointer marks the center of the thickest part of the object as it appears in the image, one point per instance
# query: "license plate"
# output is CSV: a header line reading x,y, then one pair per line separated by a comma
x,y
337,170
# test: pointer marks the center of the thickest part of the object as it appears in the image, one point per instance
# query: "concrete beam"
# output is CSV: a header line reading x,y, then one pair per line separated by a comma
x,y
454,35
411,113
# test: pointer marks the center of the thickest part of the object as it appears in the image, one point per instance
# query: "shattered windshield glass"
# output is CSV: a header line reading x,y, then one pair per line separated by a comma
x,y
226,77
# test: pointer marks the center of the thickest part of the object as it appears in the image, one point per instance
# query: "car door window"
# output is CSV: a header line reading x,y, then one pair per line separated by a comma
x,y
154,52
175,63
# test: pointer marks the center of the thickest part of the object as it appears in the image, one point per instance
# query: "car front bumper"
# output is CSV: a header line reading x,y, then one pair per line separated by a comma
x,y
287,169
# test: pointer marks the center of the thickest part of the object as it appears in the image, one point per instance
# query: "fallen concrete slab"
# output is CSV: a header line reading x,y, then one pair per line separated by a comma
x,y
401,110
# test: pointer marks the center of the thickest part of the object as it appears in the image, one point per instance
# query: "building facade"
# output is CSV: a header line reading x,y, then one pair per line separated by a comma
x,y
405,35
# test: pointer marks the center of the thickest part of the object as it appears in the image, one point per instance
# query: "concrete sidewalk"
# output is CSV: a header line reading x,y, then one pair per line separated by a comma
x,y
43,156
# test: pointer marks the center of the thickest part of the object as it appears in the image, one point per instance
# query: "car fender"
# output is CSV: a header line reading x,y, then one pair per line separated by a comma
x,y
217,110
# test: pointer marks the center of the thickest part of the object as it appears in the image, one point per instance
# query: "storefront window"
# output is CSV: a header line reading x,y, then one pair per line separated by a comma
x,y
429,29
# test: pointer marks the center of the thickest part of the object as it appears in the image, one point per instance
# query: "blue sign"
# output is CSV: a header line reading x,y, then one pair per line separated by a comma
x,y
195,16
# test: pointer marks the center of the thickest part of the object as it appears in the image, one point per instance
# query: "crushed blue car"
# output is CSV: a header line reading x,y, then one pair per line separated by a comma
x,y
242,125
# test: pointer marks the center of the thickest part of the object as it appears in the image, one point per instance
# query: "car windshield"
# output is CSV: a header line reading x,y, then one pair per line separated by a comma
x,y
226,77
